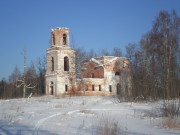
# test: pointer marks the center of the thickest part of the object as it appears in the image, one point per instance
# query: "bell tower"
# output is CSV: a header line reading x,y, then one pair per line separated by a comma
x,y
60,73
60,37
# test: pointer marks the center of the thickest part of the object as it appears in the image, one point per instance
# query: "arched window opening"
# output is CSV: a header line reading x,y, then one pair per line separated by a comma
x,y
52,64
66,63
53,39
64,39
117,73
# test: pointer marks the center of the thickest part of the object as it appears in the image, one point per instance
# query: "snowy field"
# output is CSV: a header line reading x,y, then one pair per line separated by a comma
x,y
79,116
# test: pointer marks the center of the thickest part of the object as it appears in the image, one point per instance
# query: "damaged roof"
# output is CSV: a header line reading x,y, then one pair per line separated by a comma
x,y
104,60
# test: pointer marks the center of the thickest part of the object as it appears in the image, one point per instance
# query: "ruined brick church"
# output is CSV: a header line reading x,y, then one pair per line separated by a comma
x,y
106,75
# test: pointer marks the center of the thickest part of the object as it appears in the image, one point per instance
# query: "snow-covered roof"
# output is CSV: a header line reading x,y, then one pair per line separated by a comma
x,y
115,58
95,61
104,60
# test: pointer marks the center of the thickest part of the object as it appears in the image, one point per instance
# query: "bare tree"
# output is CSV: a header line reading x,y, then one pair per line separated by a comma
x,y
23,82
13,78
117,52
41,67
130,51
156,62
81,55
3,85
165,43
91,54
104,52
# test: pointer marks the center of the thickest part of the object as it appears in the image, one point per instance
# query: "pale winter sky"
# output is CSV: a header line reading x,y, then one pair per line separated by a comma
x,y
94,24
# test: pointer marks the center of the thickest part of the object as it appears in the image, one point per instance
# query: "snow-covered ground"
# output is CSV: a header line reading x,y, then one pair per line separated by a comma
x,y
78,116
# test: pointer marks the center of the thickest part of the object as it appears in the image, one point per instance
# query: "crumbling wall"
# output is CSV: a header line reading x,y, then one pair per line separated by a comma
x,y
92,87
116,74
92,70
122,67
57,37
101,75
60,74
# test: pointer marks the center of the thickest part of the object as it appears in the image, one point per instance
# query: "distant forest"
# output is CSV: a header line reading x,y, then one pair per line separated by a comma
x,y
155,64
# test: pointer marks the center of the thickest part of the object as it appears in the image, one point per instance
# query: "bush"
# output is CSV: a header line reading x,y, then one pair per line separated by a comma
x,y
171,108
108,126
171,123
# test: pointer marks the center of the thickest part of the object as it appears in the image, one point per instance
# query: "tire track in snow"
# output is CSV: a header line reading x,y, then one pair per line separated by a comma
x,y
41,121
107,109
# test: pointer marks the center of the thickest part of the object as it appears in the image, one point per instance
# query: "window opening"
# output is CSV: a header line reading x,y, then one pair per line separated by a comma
x,y
86,87
92,75
51,89
66,63
117,73
110,88
66,87
118,89
92,87
64,39
53,39
52,64
99,87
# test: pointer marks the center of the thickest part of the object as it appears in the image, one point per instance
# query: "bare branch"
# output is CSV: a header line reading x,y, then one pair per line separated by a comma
x,y
31,87
20,81
20,85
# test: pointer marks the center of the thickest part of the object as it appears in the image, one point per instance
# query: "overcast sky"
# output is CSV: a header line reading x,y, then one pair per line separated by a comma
x,y
93,24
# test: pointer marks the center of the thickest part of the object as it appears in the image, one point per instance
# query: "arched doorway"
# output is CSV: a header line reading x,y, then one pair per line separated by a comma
x,y
51,88
118,89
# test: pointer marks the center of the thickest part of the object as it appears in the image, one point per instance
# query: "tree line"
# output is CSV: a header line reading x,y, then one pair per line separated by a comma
x,y
34,76
155,63
156,59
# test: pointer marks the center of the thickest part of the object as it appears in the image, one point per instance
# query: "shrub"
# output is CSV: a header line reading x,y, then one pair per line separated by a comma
x,y
171,108
108,126
72,91
171,123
